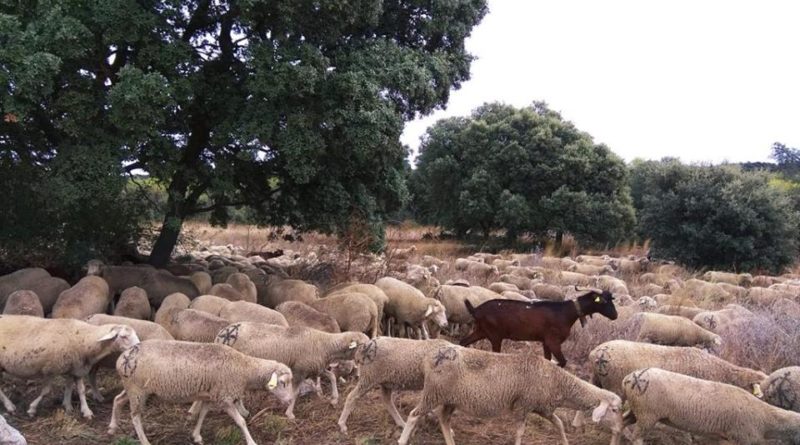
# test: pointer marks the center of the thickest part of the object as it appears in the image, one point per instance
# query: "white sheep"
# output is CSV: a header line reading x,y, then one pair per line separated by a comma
x,y
208,303
704,407
680,310
182,372
743,279
277,290
487,384
782,388
353,311
244,286
133,303
88,296
672,330
715,321
301,314
407,305
202,281
393,364
236,311
588,269
308,352
611,361
23,279
33,347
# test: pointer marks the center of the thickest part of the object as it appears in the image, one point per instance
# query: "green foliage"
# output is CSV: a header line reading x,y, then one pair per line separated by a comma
x,y
522,170
717,217
292,108
126,441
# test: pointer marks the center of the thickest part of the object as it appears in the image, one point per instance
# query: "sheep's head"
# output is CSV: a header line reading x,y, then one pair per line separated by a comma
x,y
348,344
94,267
121,337
609,412
279,383
435,311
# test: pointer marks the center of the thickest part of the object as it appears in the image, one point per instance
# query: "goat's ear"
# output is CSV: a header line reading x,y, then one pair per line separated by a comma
x,y
429,311
598,300
600,411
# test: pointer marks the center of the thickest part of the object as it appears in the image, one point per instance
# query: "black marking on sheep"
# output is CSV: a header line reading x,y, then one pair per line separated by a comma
x,y
370,350
602,360
784,393
229,335
711,321
445,353
129,361
638,383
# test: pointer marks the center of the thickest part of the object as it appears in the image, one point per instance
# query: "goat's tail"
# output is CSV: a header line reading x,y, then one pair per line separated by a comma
x,y
470,308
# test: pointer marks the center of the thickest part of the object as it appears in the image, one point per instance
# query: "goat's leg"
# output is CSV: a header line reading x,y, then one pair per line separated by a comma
x,y
497,343
555,348
547,354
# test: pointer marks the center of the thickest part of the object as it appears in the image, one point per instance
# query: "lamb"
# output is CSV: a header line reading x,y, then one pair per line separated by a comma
x,y
549,292
611,361
244,286
301,314
202,281
718,409
352,311
65,347
407,305
393,364
245,311
672,330
306,351
23,302
743,279
277,290
782,388
22,279
486,384
188,372
133,303
88,296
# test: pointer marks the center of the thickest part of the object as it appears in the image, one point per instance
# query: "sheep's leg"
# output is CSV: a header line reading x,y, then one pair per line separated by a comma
x,y
388,397
230,408
334,389
349,404
87,413
388,329
201,416
444,423
295,393
137,402
116,406
93,385
411,423
66,402
242,410
425,331
520,430
560,427
637,435
578,422
194,409
7,402
35,404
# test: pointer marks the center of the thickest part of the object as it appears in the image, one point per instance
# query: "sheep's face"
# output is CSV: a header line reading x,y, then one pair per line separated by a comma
x,y
609,412
280,384
122,337
436,312
350,344
94,267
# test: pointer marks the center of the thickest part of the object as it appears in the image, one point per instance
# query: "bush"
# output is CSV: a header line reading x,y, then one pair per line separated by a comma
x,y
717,217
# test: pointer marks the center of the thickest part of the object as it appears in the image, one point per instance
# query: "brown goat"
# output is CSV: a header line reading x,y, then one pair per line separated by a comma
x,y
549,322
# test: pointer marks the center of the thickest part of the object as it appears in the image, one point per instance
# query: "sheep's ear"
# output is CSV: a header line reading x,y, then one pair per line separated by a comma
x,y
112,334
273,381
429,311
599,412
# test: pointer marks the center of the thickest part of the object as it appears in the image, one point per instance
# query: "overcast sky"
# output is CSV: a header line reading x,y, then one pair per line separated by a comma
x,y
699,80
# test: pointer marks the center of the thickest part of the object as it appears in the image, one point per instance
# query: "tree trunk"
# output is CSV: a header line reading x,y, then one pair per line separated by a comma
x,y
165,244
559,239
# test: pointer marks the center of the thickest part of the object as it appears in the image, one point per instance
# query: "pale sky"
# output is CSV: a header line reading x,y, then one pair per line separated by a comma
x,y
700,80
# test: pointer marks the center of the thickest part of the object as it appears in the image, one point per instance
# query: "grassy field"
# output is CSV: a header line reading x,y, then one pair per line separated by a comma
x,y
765,344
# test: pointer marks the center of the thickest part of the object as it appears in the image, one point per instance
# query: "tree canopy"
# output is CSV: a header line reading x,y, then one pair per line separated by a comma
x,y
524,170
293,107
714,216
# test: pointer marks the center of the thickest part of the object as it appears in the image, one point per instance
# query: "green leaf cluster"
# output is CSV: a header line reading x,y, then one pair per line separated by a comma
x,y
522,170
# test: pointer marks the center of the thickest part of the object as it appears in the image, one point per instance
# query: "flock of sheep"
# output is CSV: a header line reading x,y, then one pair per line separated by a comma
x,y
215,327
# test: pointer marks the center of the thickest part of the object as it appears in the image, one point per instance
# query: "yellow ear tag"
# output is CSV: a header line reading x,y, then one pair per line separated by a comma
x,y
757,391
273,382
597,299
352,345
